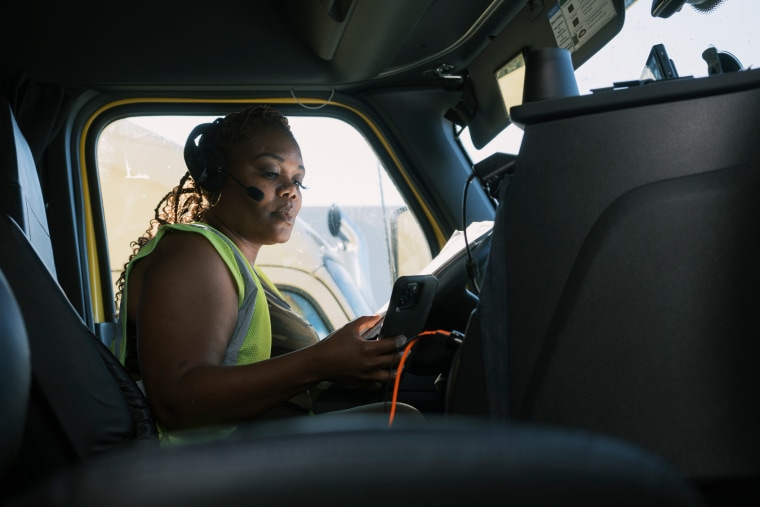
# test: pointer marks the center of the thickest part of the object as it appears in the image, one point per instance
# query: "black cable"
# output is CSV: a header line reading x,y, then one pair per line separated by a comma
x,y
470,266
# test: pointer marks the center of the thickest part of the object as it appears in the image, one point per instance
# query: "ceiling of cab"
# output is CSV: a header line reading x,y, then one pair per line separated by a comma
x,y
245,43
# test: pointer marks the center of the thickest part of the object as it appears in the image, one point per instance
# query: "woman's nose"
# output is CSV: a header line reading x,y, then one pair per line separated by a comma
x,y
289,189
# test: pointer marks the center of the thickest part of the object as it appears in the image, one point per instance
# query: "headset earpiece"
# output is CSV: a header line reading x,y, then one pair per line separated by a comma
x,y
203,160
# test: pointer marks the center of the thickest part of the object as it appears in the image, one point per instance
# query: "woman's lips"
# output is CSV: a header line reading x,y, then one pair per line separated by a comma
x,y
286,214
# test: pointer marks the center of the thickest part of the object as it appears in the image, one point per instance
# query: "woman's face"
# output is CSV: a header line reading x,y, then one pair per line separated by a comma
x,y
272,163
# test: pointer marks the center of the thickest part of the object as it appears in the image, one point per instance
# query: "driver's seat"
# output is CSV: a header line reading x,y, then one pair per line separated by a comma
x,y
622,288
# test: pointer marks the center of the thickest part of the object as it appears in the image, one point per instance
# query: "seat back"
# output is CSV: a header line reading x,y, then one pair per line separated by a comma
x,y
622,286
20,191
82,401
15,377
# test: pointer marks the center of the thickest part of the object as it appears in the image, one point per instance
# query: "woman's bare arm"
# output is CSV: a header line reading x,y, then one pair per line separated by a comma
x,y
185,316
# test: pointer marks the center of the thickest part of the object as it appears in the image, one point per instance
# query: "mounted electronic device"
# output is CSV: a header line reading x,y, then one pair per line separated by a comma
x,y
666,8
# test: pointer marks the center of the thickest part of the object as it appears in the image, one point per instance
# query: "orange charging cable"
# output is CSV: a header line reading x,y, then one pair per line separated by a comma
x,y
404,355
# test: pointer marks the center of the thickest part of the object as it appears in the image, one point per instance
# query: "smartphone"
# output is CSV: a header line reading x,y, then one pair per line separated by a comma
x,y
408,308
659,65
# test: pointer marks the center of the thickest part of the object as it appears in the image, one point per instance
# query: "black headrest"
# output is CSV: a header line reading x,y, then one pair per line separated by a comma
x,y
348,460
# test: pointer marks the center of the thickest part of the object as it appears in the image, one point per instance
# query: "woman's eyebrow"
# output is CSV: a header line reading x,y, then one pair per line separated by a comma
x,y
276,157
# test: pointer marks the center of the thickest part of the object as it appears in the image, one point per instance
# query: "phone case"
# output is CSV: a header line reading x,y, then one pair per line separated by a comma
x,y
408,308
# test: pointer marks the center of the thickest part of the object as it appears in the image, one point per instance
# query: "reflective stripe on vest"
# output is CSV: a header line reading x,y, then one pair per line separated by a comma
x,y
252,338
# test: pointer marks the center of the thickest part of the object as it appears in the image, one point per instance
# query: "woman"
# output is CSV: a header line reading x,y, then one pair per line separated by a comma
x,y
196,324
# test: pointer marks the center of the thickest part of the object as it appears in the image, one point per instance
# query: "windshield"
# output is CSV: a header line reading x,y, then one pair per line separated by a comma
x,y
730,26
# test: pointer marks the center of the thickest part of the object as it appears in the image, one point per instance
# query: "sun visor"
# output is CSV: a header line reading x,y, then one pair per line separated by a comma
x,y
582,27
357,38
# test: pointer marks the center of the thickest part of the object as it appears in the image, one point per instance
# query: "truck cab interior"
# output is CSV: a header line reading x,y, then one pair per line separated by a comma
x,y
599,333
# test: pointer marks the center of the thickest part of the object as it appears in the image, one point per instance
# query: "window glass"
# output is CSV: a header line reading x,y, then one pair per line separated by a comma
x,y
308,308
508,141
347,269
730,26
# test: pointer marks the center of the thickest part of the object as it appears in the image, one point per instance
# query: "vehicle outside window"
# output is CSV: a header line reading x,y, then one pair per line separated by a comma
x,y
731,27
351,240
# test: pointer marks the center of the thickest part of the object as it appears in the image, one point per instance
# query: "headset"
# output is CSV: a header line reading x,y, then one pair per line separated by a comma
x,y
203,159
206,163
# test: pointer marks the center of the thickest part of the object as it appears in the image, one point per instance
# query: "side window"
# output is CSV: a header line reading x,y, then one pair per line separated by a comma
x,y
354,235
508,141
306,306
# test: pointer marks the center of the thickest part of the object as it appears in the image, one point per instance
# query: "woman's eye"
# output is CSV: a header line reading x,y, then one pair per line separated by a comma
x,y
300,185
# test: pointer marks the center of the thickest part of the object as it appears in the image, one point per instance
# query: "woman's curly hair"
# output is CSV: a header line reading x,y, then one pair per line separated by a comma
x,y
188,202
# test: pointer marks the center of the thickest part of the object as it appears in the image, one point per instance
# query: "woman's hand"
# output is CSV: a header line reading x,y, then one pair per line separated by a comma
x,y
344,356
